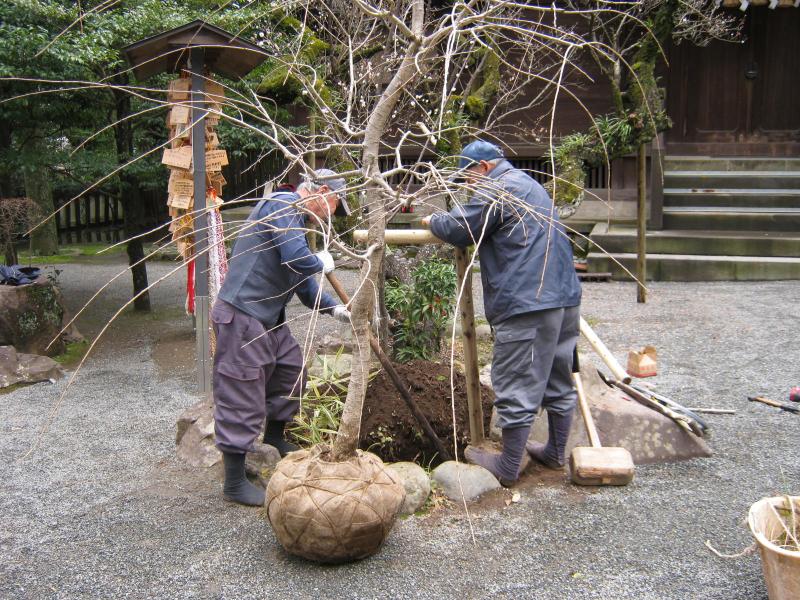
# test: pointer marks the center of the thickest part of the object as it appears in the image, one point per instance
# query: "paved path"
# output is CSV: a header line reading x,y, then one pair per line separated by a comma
x,y
103,509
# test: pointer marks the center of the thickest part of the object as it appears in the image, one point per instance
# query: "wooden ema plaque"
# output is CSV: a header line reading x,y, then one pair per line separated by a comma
x,y
179,89
180,134
180,158
179,115
215,160
181,201
177,175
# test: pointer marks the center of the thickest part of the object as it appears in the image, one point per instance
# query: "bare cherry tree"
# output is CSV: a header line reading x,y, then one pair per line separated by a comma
x,y
394,87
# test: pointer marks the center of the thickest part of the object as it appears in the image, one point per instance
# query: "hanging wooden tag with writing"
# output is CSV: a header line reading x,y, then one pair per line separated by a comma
x,y
180,158
179,89
216,159
179,115
181,201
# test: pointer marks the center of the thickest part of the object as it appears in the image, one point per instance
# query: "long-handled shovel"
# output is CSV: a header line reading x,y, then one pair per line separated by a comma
x,y
395,377
596,465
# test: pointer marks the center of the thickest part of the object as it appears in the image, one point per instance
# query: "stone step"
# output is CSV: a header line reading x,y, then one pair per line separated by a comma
x,y
689,267
621,239
734,180
778,198
715,163
732,218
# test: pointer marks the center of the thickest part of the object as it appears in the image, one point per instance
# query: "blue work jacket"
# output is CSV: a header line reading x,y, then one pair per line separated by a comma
x,y
271,261
525,255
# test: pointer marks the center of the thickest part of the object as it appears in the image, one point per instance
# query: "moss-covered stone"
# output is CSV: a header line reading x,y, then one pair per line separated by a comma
x,y
31,318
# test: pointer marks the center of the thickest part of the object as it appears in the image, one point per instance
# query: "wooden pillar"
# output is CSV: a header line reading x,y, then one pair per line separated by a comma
x,y
641,226
201,307
467,310
657,151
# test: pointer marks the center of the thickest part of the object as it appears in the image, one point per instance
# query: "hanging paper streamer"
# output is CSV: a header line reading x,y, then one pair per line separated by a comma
x,y
217,258
190,287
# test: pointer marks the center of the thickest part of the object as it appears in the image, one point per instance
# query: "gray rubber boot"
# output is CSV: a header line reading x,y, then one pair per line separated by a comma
x,y
504,466
274,436
237,487
551,455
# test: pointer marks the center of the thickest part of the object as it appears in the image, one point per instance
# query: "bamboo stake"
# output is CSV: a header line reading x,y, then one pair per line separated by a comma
x,y
411,237
467,310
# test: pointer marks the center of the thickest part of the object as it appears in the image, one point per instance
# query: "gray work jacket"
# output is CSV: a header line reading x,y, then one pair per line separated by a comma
x,y
525,256
271,261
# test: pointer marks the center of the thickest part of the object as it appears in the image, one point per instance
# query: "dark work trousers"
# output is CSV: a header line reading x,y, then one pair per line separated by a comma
x,y
257,373
532,365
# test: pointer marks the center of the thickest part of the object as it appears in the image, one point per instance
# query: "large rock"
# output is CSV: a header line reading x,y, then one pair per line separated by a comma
x,y
31,316
196,443
195,436
417,484
649,436
18,367
261,461
462,481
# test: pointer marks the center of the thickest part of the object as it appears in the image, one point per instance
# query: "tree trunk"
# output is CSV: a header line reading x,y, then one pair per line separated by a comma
x,y
349,429
6,186
131,201
44,239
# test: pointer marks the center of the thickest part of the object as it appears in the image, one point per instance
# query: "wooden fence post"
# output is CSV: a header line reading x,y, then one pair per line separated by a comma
x,y
641,226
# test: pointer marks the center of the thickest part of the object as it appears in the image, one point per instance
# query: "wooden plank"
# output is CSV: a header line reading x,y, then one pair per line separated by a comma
x,y
401,236
467,313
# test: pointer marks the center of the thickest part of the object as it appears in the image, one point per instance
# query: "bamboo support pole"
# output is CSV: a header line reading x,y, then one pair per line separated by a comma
x,y
471,368
409,237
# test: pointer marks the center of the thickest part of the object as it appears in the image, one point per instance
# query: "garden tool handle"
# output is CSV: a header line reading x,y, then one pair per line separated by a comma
x,y
603,352
775,403
422,420
337,287
586,413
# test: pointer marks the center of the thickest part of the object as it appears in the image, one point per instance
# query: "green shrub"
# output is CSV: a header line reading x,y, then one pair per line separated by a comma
x,y
421,309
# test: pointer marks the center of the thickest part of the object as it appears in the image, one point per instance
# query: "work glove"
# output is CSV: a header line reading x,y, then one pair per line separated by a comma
x,y
340,313
327,261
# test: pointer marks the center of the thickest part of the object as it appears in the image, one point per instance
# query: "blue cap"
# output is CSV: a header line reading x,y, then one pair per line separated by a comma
x,y
477,151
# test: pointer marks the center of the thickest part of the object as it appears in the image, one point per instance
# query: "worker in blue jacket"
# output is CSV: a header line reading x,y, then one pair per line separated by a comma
x,y
531,297
258,365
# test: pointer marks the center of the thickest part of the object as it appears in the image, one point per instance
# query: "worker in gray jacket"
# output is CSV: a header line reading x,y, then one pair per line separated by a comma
x,y
258,365
531,297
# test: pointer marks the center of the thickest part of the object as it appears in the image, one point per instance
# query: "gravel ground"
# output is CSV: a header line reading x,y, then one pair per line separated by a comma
x,y
102,508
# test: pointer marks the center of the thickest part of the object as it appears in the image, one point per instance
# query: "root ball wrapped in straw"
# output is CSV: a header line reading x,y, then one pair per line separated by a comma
x,y
332,512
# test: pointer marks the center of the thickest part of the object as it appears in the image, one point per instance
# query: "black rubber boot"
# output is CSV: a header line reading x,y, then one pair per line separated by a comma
x,y
506,465
551,455
237,487
274,436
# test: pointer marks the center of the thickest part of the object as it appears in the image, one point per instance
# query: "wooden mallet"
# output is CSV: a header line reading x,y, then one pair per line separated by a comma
x,y
596,465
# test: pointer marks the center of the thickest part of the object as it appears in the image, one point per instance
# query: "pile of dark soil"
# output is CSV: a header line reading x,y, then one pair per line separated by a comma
x,y
389,429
